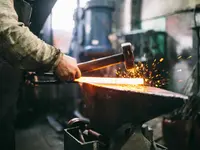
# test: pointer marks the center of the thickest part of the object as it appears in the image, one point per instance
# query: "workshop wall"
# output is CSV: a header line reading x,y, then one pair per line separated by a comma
x,y
154,8
180,49
122,16
166,16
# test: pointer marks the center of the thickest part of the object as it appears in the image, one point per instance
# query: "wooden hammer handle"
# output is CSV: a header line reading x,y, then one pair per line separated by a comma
x,y
94,64
101,63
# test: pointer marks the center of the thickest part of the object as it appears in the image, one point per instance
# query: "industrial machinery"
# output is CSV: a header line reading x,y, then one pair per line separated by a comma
x,y
148,44
93,24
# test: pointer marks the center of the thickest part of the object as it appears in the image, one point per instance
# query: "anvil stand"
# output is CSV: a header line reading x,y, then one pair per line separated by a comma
x,y
141,139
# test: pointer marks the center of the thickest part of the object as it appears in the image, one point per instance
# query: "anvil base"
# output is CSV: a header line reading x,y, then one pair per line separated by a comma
x,y
125,137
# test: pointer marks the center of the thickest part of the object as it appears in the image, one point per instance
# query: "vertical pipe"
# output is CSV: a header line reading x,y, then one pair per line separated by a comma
x,y
198,47
126,16
136,14
78,3
198,65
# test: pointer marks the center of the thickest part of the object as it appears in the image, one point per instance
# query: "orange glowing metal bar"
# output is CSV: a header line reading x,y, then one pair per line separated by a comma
x,y
120,81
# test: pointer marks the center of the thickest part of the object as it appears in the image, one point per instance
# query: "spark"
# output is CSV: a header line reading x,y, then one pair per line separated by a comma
x,y
161,59
151,73
179,57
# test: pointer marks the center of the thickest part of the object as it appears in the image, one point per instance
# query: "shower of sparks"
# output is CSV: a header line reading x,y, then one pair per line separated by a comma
x,y
151,73
161,59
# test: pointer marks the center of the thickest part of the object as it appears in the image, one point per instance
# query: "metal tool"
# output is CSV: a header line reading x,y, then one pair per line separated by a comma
x,y
97,14
85,130
126,56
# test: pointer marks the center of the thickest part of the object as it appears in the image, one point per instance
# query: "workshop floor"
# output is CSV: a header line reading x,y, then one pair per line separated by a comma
x,y
39,136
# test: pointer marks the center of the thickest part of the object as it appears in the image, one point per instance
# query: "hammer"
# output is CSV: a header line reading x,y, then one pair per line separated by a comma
x,y
126,56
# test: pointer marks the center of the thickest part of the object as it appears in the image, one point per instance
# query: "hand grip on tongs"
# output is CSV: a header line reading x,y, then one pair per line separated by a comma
x,y
30,77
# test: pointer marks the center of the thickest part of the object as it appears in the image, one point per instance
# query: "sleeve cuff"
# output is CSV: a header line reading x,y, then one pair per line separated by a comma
x,y
57,59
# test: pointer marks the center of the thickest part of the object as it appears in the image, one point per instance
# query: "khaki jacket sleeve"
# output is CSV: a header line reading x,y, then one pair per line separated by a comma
x,y
20,47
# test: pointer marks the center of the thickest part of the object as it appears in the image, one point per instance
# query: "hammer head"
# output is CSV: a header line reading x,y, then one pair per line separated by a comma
x,y
127,49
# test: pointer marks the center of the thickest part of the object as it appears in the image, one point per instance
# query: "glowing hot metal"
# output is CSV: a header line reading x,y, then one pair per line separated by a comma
x,y
119,81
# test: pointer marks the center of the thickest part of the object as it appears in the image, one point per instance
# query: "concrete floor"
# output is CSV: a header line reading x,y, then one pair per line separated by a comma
x,y
39,136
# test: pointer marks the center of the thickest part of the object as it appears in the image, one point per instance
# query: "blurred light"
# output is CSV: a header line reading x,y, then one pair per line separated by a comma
x,y
179,70
95,42
62,15
180,80
83,2
161,59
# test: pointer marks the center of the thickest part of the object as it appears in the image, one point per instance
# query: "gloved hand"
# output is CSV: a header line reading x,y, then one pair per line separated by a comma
x,y
67,69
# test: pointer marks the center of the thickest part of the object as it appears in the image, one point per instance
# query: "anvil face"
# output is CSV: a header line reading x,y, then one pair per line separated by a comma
x,y
110,106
